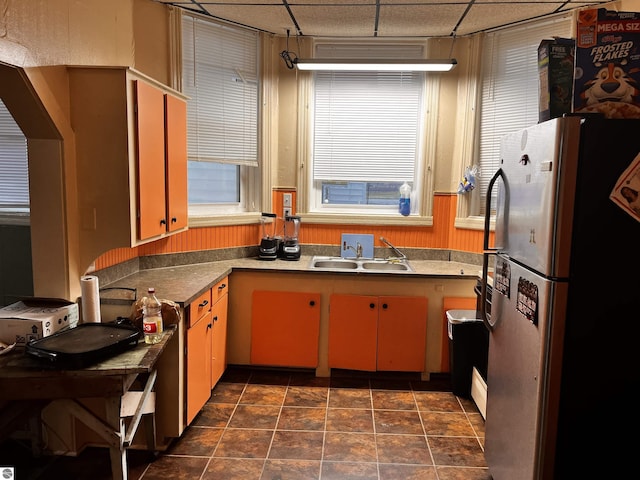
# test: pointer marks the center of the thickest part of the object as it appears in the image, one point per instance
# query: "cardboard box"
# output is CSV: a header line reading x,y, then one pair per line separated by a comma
x,y
555,69
35,318
607,73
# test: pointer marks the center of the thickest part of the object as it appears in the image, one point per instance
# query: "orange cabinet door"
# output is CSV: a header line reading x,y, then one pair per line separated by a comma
x,y
402,333
150,158
176,162
219,339
198,365
285,328
353,332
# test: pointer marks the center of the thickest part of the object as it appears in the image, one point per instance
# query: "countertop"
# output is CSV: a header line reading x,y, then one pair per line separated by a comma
x,y
183,284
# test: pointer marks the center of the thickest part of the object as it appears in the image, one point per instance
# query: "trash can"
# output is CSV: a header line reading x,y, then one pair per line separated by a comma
x,y
468,348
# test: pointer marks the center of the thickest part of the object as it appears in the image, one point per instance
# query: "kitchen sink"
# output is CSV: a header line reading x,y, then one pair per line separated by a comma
x,y
340,264
387,265
360,264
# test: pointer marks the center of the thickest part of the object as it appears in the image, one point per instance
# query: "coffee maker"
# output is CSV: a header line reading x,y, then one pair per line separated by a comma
x,y
269,243
290,248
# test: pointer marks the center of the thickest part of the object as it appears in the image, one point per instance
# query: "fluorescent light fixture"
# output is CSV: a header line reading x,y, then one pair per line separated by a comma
x,y
396,65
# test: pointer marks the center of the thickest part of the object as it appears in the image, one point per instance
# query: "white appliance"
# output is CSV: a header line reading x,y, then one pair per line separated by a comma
x,y
564,322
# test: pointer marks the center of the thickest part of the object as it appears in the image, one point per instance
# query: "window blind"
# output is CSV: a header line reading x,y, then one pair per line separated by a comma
x,y
366,124
220,77
510,95
14,166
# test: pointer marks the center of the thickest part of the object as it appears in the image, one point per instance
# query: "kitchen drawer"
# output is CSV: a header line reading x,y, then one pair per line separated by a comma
x,y
199,307
219,289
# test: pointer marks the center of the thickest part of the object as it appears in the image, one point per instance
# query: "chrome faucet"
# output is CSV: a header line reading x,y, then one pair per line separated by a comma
x,y
400,255
357,249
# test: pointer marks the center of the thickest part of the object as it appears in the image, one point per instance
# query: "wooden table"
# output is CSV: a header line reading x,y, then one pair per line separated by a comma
x,y
27,385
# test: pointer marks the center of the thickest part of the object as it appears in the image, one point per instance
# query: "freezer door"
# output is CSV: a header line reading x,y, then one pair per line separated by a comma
x,y
533,214
522,372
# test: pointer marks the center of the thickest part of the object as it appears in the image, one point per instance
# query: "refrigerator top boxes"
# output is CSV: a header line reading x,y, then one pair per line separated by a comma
x,y
555,69
607,66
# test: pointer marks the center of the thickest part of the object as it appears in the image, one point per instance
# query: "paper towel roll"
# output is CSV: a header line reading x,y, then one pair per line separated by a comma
x,y
90,299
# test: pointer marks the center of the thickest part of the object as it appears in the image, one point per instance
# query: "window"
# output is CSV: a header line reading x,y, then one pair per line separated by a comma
x,y
367,131
220,77
14,166
509,92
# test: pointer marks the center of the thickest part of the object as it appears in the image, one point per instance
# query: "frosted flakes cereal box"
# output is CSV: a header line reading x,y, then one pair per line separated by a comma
x,y
607,70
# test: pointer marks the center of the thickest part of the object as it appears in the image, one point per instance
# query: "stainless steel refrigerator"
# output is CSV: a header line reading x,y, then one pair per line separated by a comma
x,y
564,319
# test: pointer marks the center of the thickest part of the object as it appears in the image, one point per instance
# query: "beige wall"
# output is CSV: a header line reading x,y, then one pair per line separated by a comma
x,y
290,156
41,36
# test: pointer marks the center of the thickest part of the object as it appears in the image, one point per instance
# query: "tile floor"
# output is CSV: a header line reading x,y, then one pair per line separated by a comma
x,y
291,425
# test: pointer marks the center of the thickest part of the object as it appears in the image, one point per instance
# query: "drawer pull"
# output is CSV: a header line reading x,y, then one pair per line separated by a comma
x,y
223,286
204,304
372,305
312,303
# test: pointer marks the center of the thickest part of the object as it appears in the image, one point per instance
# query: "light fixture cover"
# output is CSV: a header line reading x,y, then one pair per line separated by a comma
x,y
398,65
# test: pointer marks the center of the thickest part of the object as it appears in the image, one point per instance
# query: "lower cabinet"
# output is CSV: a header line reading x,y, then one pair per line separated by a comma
x,y
285,328
205,346
198,353
377,332
220,299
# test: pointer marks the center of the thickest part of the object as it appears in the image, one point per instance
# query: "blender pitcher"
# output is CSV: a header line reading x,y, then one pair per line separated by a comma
x,y
290,246
269,243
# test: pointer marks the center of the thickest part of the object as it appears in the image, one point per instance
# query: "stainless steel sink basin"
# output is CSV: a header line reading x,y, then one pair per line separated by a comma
x,y
371,265
342,265
386,265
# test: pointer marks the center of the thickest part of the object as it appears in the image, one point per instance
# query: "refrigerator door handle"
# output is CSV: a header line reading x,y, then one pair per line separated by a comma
x,y
488,251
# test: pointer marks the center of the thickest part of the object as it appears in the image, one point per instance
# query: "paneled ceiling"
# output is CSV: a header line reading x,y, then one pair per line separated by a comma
x,y
377,18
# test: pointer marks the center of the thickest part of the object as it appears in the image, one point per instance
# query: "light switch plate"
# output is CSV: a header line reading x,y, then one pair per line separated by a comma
x,y
352,239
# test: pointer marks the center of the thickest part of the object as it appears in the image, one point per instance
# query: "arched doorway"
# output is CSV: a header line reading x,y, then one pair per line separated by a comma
x,y
27,94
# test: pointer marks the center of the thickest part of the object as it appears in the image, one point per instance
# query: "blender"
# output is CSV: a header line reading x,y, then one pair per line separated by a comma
x,y
290,249
269,243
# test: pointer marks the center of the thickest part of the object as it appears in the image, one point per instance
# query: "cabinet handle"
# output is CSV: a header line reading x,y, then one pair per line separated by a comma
x,y
224,285
174,219
384,306
209,325
215,319
372,305
204,304
163,221
312,303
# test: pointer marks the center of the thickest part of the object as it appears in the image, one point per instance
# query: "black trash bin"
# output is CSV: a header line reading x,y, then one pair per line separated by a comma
x,y
468,348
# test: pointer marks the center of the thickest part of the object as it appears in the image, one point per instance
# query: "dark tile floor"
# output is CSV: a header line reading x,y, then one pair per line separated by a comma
x,y
290,425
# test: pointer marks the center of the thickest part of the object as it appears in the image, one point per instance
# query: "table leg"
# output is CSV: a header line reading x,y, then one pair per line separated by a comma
x,y
117,453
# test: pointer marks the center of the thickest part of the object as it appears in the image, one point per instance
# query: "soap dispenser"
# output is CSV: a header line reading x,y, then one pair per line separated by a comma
x,y
405,199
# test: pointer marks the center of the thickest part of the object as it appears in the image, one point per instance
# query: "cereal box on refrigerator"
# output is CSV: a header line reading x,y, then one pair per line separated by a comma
x,y
607,72
555,70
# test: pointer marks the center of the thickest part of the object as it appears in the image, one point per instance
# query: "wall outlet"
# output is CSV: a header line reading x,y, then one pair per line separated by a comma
x,y
286,200
286,211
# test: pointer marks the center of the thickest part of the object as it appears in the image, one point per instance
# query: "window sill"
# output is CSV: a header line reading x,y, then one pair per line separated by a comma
x,y
473,223
361,219
15,218
220,220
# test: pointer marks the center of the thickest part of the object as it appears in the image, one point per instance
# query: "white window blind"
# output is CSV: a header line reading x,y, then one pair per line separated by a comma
x,y
510,88
220,76
366,124
14,166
